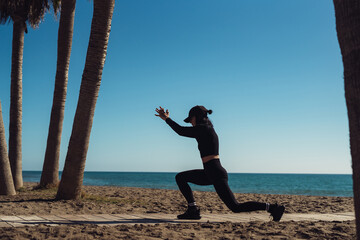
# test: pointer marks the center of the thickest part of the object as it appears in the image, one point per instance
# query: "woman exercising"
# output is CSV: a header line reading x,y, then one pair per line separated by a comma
x,y
213,173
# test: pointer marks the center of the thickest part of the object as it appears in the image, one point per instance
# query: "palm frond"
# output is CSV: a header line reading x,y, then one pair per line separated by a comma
x,y
5,10
31,11
37,9
56,6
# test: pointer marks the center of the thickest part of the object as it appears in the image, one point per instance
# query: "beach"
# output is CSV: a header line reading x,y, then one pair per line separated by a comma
x,y
117,200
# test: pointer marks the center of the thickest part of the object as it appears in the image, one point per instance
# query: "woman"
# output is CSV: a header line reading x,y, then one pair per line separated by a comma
x,y
213,173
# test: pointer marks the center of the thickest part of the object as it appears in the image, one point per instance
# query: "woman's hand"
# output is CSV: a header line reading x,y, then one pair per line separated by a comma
x,y
161,113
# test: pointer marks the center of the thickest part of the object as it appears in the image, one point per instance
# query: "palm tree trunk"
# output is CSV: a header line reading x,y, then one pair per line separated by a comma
x,y
72,176
15,155
50,173
347,13
6,181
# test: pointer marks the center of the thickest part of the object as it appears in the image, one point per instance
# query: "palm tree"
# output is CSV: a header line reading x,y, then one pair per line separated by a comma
x,y
19,12
6,182
347,13
50,173
72,176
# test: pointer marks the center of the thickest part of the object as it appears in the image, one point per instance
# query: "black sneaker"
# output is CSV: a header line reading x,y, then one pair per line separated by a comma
x,y
191,213
277,212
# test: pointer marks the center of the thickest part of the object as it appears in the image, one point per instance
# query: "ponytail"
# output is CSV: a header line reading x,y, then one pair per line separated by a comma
x,y
203,118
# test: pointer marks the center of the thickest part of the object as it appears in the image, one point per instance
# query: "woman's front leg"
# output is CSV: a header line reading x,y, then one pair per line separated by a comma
x,y
182,179
196,176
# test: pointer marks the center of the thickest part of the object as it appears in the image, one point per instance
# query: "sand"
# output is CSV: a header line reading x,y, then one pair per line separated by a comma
x,y
97,200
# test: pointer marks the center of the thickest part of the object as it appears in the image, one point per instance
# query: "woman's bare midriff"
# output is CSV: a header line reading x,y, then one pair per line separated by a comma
x,y
209,157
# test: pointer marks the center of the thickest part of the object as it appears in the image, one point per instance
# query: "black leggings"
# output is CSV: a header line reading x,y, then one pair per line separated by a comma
x,y
214,174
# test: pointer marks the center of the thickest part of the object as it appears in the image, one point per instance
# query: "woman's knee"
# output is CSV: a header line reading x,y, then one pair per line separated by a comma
x,y
248,207
179,177
234,207
226,195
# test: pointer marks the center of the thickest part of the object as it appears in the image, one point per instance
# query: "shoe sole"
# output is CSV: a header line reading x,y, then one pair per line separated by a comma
x,y
282,208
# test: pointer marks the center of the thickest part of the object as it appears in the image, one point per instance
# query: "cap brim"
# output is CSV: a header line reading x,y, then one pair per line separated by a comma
x,y
187,120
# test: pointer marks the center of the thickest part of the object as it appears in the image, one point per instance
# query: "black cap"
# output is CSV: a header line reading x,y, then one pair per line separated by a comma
x,y
198,111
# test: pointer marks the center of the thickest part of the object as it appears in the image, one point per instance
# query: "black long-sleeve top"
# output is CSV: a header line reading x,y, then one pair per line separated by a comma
x,y
205,135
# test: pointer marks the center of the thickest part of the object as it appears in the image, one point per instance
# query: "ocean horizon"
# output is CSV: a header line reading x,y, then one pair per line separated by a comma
x,y
339,185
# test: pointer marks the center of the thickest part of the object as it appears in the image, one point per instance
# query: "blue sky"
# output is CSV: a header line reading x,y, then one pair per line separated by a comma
x,y
271,71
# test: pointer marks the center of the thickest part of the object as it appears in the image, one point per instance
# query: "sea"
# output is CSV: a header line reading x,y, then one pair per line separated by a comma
x,y
339,185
